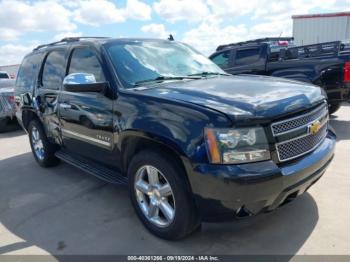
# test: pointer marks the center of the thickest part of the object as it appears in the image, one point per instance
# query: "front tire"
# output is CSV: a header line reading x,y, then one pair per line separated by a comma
x,y
43,150
333,108
161,196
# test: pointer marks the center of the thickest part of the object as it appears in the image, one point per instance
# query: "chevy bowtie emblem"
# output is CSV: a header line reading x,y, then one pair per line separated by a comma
x,y
315,127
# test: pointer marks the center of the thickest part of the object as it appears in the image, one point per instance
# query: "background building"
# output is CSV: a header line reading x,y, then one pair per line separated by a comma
x,y
317,28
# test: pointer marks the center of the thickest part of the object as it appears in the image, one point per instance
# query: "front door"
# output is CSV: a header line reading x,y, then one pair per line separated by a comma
x,y
86,118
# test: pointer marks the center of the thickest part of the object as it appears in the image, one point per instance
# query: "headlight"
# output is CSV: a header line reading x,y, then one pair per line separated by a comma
x,y
236,145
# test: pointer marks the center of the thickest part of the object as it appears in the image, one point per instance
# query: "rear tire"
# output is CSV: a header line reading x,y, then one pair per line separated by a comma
x,y
43,150
333,108
184,217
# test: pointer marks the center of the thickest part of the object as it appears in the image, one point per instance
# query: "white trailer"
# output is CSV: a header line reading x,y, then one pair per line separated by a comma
x,y
318,28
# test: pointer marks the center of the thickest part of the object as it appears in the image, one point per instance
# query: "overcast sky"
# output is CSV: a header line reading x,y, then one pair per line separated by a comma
x,y
202,23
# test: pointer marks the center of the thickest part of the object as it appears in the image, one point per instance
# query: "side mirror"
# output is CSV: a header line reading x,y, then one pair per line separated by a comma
x,y
83,82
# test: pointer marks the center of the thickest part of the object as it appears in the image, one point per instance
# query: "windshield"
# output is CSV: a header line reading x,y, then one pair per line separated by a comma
x,y
4,76
143,61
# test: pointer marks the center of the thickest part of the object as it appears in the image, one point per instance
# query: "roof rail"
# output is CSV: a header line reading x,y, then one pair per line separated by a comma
x,y
46,45
255,41
68,39
77,38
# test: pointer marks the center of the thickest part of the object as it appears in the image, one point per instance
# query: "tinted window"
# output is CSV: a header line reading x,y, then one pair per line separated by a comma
x,y
222,59
3,76
85,61
54,70
28,71
247,56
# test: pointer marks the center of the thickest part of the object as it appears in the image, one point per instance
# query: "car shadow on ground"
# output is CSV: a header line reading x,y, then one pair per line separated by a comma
x,y
341,127
11,130
62,210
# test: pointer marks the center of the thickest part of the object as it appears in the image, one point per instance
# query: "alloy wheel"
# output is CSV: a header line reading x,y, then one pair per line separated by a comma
x,y
37,143
154,196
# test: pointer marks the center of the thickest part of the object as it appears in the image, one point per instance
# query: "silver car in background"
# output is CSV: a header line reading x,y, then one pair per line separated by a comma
x,y
4,75
7,103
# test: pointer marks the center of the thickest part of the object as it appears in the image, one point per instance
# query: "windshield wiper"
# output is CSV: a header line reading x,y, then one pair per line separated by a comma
x,y
165,78
209,74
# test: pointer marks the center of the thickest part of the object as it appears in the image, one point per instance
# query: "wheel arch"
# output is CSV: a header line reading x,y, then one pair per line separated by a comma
x,y
134,143
27,116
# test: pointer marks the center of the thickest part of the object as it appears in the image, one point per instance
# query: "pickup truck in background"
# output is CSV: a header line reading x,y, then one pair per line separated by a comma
x,y
326,65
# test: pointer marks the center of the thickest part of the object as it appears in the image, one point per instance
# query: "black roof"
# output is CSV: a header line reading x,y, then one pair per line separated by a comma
x,y
67,40
70,39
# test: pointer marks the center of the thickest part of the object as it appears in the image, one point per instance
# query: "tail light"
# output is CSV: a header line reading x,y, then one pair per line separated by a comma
x,y
283,43
11,99
347,72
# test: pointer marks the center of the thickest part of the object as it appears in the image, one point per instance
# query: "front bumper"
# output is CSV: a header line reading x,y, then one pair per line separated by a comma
x,y
235,191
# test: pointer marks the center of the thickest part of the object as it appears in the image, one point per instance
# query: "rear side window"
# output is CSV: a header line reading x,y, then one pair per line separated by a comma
x,y
28,71
3,76
84,60
222,59
54,70
247,56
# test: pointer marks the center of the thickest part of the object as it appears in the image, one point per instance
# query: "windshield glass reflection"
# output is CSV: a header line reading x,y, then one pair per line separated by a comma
x,y
138,61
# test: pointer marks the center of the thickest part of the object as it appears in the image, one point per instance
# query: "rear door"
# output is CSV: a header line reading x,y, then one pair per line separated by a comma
x,y
49,85
249,60
86,117
26,81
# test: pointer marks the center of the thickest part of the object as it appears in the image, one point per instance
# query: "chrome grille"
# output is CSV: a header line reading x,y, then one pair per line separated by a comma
x,y
304,143
284,126
300,146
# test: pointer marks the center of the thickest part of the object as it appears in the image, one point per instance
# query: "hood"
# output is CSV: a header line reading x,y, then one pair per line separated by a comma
x,y
242,96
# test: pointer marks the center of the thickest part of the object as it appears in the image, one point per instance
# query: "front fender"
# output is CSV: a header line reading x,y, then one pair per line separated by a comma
x,y
172,123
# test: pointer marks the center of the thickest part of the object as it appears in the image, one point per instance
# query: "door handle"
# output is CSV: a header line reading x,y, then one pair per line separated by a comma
x,y
65,106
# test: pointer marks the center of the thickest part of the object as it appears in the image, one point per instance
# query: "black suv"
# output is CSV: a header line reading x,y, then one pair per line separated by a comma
x,y
191,142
